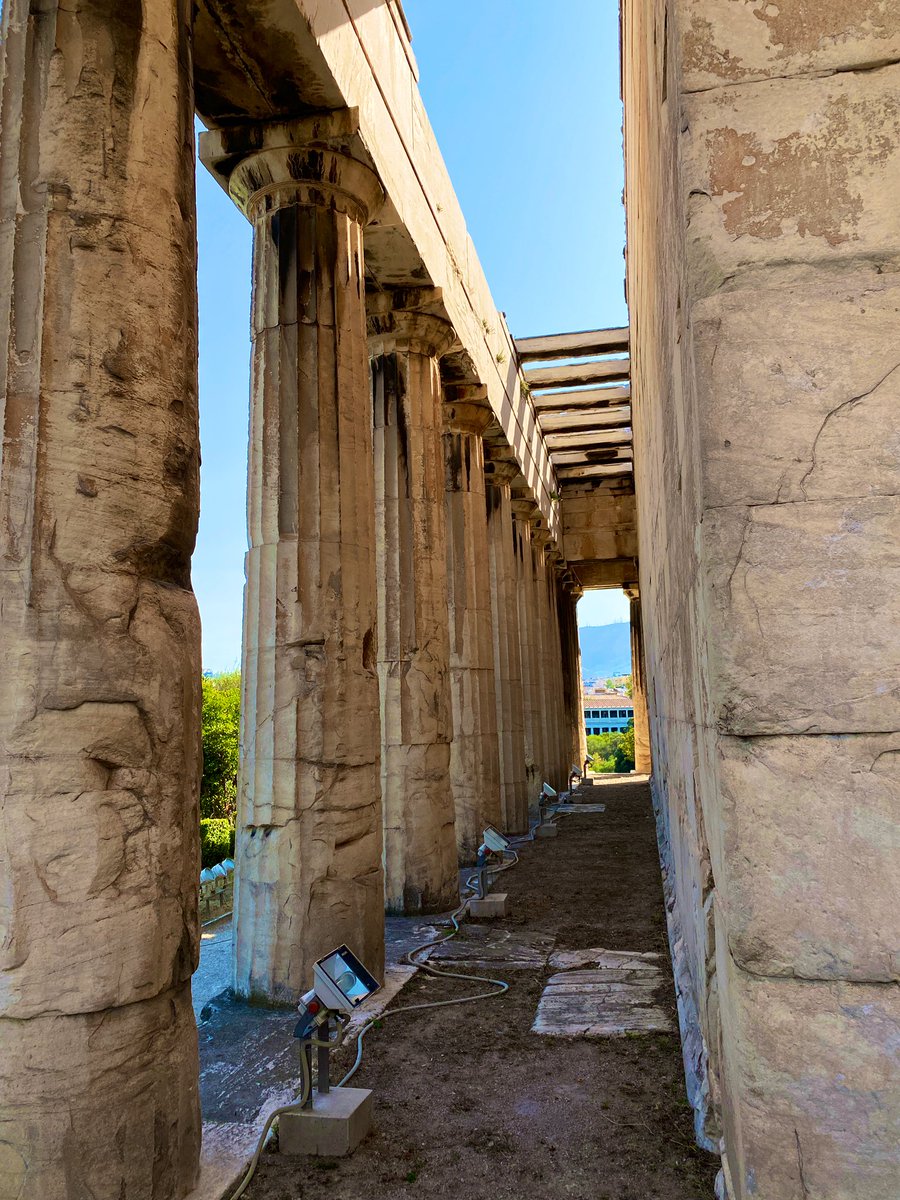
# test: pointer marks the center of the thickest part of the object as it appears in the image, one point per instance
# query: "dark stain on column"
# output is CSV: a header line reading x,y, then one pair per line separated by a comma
x,y
453,462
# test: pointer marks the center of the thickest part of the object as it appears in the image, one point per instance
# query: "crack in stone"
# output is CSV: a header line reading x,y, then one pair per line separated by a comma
x,y
833,413
824,73
800,1164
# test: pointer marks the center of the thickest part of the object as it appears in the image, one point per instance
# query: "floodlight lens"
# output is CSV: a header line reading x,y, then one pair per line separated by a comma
x,y
350,985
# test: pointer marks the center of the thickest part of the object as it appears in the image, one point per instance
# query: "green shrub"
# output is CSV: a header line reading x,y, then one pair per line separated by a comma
x,y
220,726
216,840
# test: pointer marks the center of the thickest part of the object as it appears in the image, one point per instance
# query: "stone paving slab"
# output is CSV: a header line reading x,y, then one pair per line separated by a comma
x,y
485,946
615,997
625,960
580,808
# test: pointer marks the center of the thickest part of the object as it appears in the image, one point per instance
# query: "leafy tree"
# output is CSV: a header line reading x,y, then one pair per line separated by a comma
x,y
602,745
602,749
220,726
216,840
624,752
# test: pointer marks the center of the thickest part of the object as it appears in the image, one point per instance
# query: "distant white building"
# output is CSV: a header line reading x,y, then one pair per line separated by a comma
x,y
607,712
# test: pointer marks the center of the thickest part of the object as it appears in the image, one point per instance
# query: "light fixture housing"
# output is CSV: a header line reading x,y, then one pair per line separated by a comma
x,y
494,840
341,981
549,792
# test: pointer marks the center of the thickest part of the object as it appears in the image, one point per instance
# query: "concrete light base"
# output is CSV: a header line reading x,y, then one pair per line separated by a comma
x,y
489,907
544,831
332,1128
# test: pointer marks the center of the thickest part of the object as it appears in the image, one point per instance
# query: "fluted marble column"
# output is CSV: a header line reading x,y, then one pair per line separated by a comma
x,y
474,754
309,819
530,647
577,737
509,693
413,638
543,635
99,635
642,759
560,765
561,759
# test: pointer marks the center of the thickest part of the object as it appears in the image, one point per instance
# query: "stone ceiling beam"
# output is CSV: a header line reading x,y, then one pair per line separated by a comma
x,y
586,439
591,419
565,401
609,370
588,344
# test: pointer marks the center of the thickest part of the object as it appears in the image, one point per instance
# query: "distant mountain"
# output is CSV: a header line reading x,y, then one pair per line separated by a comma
x,y
605,650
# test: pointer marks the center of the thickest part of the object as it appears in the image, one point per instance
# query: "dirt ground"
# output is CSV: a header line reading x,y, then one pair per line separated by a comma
x,y
470,1104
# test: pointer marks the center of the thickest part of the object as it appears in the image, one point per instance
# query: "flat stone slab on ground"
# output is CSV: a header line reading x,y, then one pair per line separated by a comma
x,y
614,998
581,808
564,960
482,945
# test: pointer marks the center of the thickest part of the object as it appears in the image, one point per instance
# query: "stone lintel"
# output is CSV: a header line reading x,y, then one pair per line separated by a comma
x,y
466,393
412,299
318,160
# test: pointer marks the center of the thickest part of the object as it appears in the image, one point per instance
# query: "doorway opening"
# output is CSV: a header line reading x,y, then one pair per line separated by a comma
x,y
604,634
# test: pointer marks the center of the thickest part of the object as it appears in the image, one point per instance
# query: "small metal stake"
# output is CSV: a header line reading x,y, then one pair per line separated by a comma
x,y
306,1049
323,1081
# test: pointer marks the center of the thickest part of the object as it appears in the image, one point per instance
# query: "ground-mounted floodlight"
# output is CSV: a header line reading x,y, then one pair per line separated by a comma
x,y
544,827
492,842
493,845
340,984
576,775
546,798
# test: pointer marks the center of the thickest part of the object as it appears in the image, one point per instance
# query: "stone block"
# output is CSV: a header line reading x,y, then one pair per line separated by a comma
x,y
101,1105
811,1087
334,1126
811,859
489,907
797,383
547,830
724,44
754,185
804,604
100,884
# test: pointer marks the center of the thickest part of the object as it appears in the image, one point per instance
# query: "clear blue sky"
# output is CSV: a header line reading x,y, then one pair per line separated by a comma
x,y
524,99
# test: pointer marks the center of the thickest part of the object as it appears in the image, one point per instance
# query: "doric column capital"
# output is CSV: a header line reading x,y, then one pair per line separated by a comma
x,y
409,330
500,472
315,160
525,510
466,418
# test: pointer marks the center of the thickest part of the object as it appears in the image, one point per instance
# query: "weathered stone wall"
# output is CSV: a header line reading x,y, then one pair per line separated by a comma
x,y
763,163
100,671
